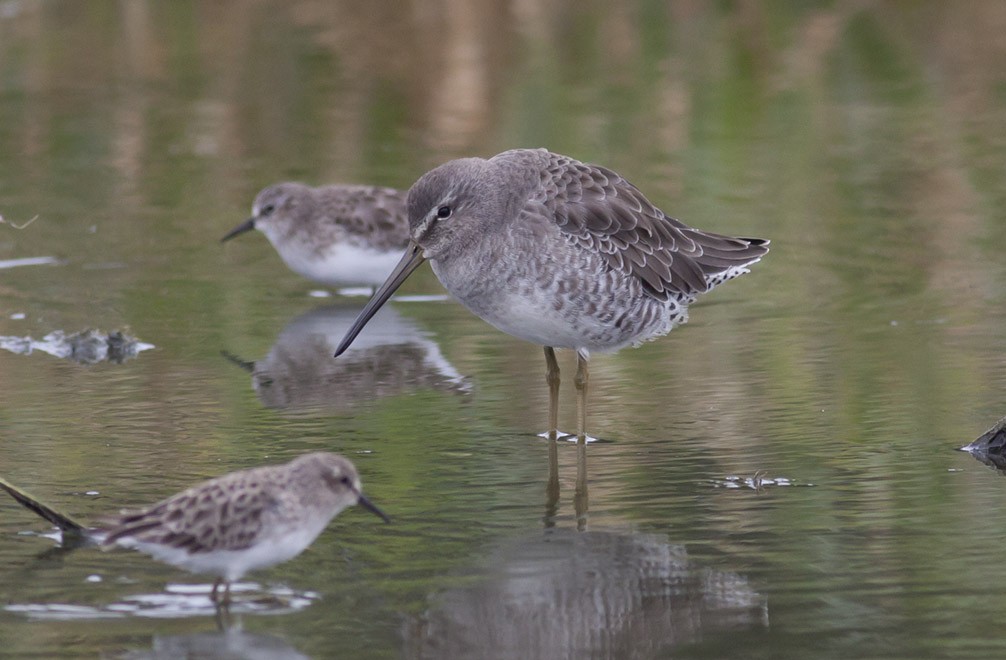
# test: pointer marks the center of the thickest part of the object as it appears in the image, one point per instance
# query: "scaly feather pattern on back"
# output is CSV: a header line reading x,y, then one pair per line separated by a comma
x,y
374,214
226,513
600,211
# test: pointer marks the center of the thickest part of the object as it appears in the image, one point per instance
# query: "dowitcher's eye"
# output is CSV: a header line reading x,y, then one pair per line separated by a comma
x,y
346,481
268,209
444,212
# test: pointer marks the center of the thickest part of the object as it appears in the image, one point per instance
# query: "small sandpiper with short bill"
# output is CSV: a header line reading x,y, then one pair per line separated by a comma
x,y
338,235
233,524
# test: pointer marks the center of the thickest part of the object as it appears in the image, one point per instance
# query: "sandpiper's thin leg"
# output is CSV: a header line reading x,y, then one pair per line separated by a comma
x,y
582,376
227,593
552,378
222,614
213,592
580,498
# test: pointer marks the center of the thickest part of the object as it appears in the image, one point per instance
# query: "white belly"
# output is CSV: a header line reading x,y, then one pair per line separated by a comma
x,y
346,264
233,564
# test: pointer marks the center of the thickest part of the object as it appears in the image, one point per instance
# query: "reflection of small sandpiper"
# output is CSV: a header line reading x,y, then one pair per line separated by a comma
x,y
227,526
397,356
335,235
560,253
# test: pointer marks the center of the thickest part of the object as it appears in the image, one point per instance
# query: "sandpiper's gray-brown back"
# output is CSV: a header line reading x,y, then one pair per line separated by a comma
x,y
561,253
232,524
243,520
239,509
339,234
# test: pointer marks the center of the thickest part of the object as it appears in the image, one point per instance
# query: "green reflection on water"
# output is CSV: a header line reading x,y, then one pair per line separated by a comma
x,y
866,141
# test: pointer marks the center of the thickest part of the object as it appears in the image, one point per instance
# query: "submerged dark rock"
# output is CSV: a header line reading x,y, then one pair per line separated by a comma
x,y
990,447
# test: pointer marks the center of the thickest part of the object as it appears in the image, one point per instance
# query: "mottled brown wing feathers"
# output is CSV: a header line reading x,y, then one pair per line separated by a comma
x,y
599,210
135,524
375,214
213,516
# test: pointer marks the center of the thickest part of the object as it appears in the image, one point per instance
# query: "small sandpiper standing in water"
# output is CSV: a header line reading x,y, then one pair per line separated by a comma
x,y
560,253
335,235
227,526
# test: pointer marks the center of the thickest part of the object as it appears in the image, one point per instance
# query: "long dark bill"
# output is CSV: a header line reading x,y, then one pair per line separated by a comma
x,y
247,225
411,260
370,506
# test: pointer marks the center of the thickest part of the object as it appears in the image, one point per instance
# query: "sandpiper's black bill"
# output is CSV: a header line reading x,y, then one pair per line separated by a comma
x,y
247,225
411,260
370,506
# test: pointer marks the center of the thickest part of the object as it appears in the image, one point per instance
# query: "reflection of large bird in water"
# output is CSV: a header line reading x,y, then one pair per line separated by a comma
x,y
232,642
567,594
299,373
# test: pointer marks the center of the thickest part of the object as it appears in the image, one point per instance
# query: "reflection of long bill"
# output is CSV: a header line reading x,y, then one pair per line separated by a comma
x,y
411,260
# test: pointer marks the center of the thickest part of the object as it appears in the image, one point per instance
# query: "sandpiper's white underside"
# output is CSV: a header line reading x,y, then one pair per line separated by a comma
x,y
282,545
339,264
532,320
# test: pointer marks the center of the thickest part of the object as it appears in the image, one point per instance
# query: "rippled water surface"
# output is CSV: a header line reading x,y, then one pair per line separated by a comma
x,y
777,478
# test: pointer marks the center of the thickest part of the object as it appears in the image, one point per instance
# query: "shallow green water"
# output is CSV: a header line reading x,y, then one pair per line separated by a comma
x,y
868,141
